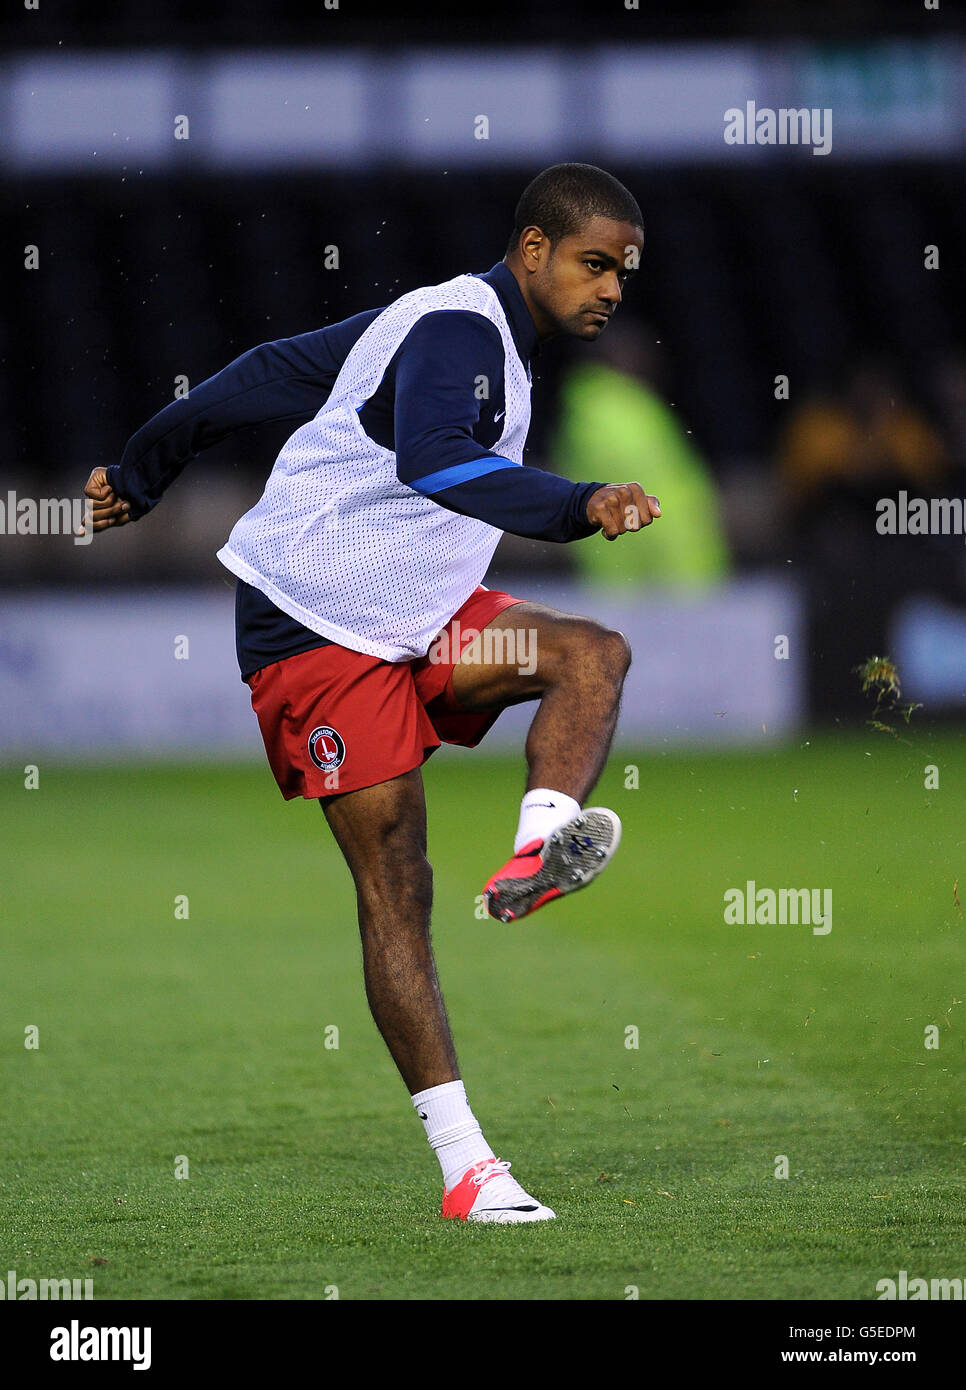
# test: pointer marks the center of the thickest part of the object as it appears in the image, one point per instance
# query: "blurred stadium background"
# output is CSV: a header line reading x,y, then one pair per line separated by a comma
x,y
356,128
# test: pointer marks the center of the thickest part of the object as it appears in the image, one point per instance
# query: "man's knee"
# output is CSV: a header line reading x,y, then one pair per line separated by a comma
x,y
398,876
615,652
582,646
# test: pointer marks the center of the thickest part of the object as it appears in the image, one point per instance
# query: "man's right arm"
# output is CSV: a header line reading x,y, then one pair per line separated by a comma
x,y
286,380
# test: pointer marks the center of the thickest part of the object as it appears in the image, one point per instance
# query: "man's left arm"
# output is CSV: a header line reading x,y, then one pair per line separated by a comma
x,y
437,412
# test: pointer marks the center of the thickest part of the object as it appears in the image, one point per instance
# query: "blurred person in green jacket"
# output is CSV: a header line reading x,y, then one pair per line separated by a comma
x,y
613,423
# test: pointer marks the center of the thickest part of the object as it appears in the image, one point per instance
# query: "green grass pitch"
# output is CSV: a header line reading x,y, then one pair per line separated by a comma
x,y
205,1037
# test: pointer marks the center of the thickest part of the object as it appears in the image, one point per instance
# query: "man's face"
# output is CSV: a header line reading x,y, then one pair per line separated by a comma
x,y
575,284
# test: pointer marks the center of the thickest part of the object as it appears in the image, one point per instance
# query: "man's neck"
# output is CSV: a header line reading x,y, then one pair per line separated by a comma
x,y
544,328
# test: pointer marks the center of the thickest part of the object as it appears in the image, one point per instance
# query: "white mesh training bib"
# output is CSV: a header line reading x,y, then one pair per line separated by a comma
x,y
337,541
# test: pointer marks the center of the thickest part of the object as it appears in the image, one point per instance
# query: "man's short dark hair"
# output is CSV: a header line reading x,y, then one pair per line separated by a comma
x,y
561,199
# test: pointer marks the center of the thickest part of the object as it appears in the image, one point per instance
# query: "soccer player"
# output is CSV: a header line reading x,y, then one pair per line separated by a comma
x,y
362,626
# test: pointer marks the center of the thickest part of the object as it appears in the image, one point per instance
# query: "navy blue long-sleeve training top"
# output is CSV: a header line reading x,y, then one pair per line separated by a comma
x,y
423,410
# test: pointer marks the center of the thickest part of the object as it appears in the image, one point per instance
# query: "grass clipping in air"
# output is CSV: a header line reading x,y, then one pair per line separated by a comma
x,y
880,678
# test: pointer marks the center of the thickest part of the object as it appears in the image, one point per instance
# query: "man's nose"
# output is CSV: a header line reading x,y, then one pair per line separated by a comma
x,y
610,290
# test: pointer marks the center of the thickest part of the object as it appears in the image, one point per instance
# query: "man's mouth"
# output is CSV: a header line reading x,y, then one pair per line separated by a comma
x,y
598,314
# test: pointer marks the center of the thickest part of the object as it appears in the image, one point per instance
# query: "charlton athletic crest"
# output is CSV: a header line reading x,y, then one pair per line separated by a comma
x,y
326,748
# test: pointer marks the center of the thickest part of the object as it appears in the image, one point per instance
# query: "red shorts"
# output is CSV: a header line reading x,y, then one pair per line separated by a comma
x,y
334,720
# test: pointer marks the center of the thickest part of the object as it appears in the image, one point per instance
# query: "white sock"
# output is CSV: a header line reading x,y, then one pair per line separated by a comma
x,y
542,811
452,1129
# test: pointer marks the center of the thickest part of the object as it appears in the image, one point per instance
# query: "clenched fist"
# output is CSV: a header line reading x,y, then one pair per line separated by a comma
x,y
106,509
621,507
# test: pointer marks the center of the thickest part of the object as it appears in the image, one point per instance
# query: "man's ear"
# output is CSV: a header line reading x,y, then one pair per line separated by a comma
x,y
534,248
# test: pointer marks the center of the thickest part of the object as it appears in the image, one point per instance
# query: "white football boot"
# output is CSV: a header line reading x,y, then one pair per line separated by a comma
x,y
486,1192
